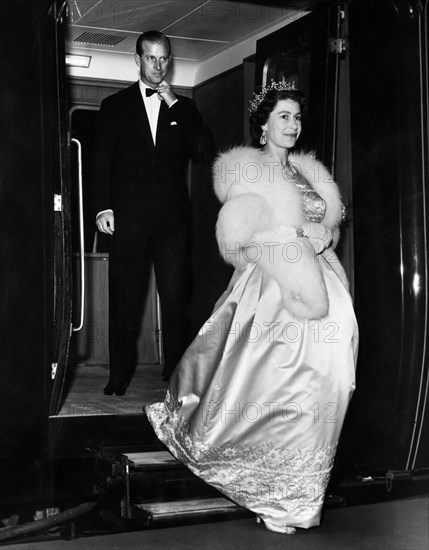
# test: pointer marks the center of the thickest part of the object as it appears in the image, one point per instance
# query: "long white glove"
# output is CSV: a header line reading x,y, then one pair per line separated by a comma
x,y
319,235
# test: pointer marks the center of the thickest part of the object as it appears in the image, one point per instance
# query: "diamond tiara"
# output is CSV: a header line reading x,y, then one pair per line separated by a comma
x,y
281,85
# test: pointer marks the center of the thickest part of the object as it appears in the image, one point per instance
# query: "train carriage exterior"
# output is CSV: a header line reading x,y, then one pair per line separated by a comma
x,y
364,65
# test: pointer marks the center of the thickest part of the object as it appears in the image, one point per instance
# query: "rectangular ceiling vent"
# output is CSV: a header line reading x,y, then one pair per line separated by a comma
x,y
99,39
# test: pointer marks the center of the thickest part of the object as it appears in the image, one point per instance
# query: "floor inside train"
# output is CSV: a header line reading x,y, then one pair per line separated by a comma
x,y
397,525
84,392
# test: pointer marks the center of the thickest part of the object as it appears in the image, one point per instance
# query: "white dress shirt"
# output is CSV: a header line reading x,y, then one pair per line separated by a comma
x,y
152,104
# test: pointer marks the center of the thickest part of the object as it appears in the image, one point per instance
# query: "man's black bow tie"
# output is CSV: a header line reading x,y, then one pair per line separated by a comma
x,y
150,91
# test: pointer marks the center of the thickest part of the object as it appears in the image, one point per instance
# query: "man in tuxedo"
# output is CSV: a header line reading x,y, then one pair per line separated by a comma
x,y
145,137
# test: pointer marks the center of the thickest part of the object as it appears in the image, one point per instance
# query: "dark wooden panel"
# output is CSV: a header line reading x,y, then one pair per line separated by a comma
x,y
390,234
30,165
220,101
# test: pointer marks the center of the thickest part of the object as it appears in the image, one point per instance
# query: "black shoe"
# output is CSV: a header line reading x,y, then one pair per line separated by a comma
x,y
116,387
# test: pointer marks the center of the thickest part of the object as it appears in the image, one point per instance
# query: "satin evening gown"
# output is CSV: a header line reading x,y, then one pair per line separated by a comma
x,y
256,404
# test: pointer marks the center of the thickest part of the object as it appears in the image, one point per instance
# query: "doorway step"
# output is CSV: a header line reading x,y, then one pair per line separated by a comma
x,y
154,489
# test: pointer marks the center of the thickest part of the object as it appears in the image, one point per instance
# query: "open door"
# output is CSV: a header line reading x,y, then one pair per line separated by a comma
x,y
388,422
307,52
81,254
62,261
313,53
33,161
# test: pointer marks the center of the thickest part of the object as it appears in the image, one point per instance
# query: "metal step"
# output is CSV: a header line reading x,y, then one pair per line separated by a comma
x,y
145,476
156,489
142,460
208,509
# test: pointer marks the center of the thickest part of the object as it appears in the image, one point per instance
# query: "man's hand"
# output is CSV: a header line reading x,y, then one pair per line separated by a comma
x,y
106,223
166,93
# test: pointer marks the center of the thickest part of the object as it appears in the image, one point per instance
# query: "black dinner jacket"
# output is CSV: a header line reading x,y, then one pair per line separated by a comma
x,y
134,177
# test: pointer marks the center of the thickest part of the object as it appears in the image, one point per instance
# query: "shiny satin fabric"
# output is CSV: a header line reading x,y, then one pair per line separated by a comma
x,y
256,405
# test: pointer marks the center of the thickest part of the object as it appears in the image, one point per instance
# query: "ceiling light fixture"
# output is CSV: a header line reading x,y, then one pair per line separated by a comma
x,y
73,60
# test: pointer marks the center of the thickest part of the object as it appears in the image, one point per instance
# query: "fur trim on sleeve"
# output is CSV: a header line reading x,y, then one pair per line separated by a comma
x,y
293,264
291,261
239,219
232,168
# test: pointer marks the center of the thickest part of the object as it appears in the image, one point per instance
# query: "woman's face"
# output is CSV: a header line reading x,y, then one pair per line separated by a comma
x,y
283,126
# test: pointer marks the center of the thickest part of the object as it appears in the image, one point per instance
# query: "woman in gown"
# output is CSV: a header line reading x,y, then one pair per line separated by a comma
x,y
256,405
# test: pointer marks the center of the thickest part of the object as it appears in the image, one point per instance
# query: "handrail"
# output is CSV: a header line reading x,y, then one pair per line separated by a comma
x,y
81,238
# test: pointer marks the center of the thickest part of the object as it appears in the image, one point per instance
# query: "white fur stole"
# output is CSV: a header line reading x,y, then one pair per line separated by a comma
x,y
261,209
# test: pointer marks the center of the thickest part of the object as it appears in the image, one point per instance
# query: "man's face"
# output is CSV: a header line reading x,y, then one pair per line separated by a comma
x,y
154,63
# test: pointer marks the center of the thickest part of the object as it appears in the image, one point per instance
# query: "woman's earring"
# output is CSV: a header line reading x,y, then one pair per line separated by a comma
x,y
263,138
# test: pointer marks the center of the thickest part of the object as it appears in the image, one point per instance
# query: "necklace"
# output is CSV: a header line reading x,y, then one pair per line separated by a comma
x,y
288,170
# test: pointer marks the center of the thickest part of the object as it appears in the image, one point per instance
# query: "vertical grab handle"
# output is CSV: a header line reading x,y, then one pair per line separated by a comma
x,y
81,237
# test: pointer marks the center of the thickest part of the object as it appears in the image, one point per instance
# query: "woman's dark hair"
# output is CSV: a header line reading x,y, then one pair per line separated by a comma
x,y
259,117
154,37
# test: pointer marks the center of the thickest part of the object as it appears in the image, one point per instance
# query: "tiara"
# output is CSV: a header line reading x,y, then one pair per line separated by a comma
x,y
281,85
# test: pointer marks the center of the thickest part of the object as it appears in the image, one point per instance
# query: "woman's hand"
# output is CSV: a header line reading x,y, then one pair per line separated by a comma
x,y
319,235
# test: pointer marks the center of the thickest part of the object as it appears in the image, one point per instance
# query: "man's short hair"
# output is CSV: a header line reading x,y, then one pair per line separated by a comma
x,y
155,37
